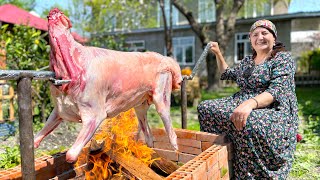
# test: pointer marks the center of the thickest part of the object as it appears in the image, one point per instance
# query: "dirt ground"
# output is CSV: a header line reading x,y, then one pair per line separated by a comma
x,y
63,136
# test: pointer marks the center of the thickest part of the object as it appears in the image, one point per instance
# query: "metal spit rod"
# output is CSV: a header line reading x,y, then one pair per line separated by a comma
x,y
24,78
195,70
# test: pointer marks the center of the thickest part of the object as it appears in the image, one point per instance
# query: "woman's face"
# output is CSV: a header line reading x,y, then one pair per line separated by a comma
x,y
262,39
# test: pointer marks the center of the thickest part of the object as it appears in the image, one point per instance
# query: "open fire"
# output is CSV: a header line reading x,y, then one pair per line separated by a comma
x,y
114,154
116,136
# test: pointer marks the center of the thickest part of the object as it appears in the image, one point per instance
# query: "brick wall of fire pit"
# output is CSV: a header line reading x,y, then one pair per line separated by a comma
x,y
204,156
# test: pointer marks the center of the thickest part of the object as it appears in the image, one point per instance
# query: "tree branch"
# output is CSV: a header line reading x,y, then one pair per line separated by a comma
x,y
237,4
195,26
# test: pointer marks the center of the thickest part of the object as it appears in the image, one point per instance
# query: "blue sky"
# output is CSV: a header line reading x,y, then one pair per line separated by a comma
x,y
295,5
44,4
304,6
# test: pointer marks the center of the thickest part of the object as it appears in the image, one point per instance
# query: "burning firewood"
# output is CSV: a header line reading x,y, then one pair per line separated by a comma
x,y
159,165
114,152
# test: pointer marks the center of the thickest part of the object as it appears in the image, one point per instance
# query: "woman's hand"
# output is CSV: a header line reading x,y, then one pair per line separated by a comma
x,y
241,113
215,48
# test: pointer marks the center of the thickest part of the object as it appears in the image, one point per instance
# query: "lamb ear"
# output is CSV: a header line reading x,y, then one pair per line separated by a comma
x,y
65,20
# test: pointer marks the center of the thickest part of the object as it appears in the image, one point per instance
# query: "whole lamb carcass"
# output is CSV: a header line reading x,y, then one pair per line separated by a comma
x,y
105,83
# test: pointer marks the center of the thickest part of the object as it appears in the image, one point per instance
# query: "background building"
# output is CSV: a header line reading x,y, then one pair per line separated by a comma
x,y
297,22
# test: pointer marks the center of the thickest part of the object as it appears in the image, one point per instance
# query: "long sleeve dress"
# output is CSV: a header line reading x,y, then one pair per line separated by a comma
x,y
265,147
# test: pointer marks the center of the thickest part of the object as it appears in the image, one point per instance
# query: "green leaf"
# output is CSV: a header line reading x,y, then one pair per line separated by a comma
x,y
8,41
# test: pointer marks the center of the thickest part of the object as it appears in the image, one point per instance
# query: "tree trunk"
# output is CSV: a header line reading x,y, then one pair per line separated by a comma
x,y
224,31
167,31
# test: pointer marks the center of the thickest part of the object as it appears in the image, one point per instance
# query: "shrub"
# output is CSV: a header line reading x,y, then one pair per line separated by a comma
x,y
310,60
10,158
27,49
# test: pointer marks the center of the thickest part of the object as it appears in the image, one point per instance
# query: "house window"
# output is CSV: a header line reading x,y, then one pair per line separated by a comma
x,y
183,50
255,8
136,45
207,11
242,46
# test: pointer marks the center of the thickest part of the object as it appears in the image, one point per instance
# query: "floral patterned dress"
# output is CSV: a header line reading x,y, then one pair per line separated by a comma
x,y
264,149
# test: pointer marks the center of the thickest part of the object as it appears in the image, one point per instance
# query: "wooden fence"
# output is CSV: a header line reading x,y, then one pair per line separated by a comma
x,y
307,80
300,80
6,102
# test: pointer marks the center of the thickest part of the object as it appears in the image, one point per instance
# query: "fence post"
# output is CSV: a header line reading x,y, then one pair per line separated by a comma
x,y
1,111
11,106
184,103
25,128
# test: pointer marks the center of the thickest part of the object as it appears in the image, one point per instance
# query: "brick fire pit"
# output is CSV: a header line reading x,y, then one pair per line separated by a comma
x,y
204,156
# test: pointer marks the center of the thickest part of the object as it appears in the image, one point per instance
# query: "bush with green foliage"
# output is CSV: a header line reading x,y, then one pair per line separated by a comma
x,y
10,158
27,49
310,60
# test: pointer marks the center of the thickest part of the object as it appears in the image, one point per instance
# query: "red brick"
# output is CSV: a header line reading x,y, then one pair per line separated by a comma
x,y
205,145
223,153
4,173
214,173
40,165
185,134
158,132
213,148
163,145
161,138
179,175
211,158
167,154
204,136
189,142
184,158
181,148
15,174
197,169
189,150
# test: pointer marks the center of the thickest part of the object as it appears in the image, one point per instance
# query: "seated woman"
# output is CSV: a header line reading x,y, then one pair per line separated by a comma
x,y
261,119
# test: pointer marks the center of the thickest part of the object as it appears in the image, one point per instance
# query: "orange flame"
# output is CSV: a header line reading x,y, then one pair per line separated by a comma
x,y
120,130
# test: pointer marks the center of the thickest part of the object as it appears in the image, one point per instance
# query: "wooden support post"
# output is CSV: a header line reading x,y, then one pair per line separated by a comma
x,y
11,106
184,104
1,110
25,128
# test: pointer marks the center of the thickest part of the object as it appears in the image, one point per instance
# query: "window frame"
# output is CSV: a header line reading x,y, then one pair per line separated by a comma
x,y
246,42
136,48
210,14
184,48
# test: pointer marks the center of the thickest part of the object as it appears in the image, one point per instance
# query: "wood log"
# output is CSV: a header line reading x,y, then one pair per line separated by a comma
x,y
162,166
133,165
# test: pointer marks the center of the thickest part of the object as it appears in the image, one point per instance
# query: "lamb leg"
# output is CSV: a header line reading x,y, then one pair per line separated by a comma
x,y
161,98
91,117
141,112
53,121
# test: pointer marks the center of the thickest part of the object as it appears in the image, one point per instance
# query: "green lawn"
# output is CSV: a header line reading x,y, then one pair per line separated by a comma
x,y
307,156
